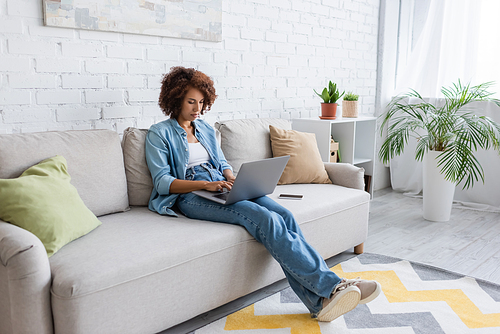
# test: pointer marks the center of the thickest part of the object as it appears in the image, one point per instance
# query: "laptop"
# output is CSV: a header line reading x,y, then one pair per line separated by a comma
x,y
255,179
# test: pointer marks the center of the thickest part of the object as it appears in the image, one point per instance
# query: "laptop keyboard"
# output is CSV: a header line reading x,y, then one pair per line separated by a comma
x,y
222,196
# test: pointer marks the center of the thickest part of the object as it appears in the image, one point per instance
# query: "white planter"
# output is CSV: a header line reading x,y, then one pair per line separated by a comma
x,y
438,192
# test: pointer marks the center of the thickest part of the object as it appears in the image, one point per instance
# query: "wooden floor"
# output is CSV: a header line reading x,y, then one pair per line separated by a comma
x,y
467,244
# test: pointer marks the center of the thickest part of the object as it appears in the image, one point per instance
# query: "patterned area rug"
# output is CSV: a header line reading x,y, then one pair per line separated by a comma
x,y
416,298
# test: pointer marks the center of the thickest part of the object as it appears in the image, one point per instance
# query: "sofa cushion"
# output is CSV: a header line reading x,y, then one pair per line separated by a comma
x,y
245,140
138,265
139,181
320,200
95,163
134,244
43,201
305,165
140,242
333,218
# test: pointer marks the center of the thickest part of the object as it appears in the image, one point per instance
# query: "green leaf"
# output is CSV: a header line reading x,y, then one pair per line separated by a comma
x,y
449,127
324,95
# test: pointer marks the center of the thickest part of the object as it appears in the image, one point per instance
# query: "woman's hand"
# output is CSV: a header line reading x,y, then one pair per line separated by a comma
x,y
228,174
185,186
218,186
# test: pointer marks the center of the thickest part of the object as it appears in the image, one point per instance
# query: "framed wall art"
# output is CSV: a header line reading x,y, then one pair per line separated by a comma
x,y
191,19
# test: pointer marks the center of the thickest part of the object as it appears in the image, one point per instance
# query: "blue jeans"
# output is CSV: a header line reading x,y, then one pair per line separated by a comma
x,y
273,226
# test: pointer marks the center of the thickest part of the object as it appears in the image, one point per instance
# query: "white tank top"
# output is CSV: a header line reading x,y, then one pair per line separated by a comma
x,y
197,154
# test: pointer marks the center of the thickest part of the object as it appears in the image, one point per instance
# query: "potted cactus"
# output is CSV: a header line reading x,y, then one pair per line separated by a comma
x,y
350,105
330,95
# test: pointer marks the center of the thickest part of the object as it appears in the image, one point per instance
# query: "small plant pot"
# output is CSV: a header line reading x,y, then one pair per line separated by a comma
x,y
328,111
349,108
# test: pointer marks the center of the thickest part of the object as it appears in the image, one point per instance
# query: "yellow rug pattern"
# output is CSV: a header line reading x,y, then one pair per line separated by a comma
x,y
415,299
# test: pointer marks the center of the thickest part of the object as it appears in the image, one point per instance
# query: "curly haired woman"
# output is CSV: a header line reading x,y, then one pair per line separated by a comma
x,y
183,156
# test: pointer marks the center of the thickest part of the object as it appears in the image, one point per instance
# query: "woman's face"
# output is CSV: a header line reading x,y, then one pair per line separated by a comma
x,y
191,106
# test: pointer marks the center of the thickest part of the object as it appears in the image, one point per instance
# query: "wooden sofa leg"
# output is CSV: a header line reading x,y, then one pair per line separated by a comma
x,y
359,248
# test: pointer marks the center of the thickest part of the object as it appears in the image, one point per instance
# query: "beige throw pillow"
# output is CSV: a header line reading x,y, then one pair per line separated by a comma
x,y
305,165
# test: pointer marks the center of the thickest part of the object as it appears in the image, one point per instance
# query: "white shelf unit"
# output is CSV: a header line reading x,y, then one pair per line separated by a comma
x,y
356,138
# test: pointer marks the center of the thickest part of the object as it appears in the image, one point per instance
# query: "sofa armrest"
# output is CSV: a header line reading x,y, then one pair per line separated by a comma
x,y
25,281
346,175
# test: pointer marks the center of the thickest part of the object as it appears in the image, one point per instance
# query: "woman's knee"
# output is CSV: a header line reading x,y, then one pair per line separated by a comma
x,y
276,207
289,220
287,215
273,224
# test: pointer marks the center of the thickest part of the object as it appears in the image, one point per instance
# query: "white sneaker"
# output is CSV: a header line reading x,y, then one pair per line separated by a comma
x,y
369,289
344,298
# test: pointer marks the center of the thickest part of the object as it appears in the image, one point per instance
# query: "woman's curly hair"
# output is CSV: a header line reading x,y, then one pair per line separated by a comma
x,y
175,85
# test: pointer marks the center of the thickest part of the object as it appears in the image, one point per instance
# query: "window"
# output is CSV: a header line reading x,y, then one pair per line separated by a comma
x,y
441,41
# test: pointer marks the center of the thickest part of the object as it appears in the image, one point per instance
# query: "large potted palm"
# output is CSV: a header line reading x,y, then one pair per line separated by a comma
x,y
448,135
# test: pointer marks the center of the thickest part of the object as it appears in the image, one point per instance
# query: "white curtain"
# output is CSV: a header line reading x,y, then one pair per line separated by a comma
x,y
446,49
456,42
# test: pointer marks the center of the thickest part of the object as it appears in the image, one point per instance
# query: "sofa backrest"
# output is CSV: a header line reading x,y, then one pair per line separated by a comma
x,y
241,140
95,163
245,140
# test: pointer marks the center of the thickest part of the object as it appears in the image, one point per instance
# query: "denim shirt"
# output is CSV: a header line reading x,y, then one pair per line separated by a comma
x,y
167,156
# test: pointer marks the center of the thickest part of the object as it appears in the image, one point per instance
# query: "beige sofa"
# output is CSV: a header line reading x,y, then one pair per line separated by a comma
x,y
140,272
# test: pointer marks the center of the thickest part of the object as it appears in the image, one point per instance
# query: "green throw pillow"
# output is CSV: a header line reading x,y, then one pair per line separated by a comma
x,y
43,201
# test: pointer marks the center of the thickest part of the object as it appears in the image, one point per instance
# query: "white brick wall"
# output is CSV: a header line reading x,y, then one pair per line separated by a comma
x,y
273,53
